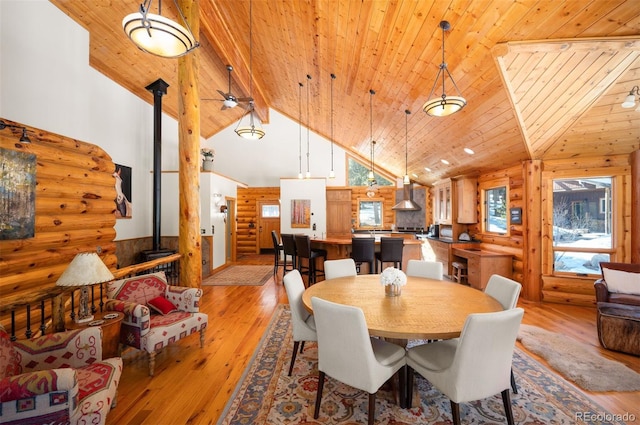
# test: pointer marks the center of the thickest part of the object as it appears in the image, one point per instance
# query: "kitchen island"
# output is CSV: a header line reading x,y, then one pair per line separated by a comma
x,y
338,248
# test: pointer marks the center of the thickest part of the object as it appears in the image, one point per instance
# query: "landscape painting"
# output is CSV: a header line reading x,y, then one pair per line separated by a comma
x,y
17,195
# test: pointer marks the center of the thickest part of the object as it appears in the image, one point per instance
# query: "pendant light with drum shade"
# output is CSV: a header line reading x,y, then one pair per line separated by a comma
x,y
251,131
332,173
158,35
444,105
372,189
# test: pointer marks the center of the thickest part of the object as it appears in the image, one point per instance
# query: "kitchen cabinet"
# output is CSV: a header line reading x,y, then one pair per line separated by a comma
x,y
443,252
466,196
482,264
338,213
442,202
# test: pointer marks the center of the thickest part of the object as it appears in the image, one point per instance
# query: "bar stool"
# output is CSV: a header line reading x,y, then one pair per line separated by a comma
x,y
390,252
289,248
363,250
303,249
459,272
277,249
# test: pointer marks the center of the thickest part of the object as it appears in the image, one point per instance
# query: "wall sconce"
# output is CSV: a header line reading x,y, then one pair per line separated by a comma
x,y
217,198
24,138
630,100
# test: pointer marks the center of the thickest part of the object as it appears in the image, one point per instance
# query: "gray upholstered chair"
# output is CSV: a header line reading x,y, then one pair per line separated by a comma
x,y
339,268
428,269
474,366
350,355
506,291
304,326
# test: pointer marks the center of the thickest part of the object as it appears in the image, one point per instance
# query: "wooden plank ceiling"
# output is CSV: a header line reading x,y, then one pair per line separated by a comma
x,y
543,79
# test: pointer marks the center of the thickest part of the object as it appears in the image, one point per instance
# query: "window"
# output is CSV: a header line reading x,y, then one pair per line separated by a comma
x,y
370,213
357,175
582,224
494,209
270,211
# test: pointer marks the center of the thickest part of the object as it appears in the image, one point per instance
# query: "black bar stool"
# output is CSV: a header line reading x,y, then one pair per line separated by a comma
x,y
289,248
363,250
390,252
303,249
277,249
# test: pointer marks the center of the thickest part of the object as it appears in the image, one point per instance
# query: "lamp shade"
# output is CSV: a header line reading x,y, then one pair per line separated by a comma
x,y
443,106
85,269
629,101
158,35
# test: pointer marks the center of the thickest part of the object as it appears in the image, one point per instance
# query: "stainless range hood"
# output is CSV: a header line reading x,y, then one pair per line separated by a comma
x,y
407,203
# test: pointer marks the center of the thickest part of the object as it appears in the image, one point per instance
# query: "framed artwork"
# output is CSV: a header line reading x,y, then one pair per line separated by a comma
x,y
17,195
301,213
124,208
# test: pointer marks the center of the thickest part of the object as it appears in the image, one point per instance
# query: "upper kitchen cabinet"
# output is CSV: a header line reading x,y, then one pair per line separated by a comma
x,y
442,213
467,196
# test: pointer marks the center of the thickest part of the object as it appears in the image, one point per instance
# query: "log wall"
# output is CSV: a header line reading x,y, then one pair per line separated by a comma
x,y
74,212
247,216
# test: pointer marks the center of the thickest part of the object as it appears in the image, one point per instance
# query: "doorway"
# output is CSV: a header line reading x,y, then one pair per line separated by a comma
x,y
230,231
268,220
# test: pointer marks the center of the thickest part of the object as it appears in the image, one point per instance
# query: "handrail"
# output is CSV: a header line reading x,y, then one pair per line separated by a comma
x,y
136,268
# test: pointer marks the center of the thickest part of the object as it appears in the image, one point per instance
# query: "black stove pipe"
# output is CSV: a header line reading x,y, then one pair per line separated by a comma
x,y
158,88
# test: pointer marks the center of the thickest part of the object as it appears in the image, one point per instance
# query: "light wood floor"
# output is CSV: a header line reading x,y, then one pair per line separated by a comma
x,y
192,385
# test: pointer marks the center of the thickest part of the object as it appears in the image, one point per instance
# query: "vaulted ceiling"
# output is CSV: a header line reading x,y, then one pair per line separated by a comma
x,y
542,79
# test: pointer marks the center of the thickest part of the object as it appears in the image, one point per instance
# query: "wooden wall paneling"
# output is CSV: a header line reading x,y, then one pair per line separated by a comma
x,y
532,219
635,206
247,214
388,193
74,213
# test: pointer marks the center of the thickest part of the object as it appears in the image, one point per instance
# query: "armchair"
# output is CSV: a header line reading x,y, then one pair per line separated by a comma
x,y
618,302
175,312
57,378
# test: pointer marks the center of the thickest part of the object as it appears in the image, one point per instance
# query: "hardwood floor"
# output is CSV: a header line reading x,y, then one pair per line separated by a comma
x,y
192,385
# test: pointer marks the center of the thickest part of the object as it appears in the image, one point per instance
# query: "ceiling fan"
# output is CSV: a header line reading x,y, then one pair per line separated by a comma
x,y
228,99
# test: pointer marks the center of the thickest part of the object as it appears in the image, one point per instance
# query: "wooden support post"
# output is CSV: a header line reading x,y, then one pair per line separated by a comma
x,y
532,258
189,243
635,206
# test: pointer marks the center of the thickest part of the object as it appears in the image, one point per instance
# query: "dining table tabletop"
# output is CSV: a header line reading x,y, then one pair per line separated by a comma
x,y
425,309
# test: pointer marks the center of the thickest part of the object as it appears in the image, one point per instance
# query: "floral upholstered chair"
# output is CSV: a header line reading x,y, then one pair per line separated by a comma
x,y
156,313
57,378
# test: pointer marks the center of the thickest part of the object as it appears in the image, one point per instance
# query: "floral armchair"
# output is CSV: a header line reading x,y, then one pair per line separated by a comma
x,y
57,378
156,314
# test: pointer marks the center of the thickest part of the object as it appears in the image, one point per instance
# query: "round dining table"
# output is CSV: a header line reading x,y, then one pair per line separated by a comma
x,y
426,308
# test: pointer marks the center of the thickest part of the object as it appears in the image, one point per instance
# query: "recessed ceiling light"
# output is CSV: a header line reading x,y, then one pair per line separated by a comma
x,y
469,151
427,169
444,161
414,175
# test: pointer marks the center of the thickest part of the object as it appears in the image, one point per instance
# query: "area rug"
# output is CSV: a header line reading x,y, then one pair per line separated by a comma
x,y
240,275
579,362
266,395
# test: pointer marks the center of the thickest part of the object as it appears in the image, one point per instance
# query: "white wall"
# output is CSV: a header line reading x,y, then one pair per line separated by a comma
x,y
312,189
46,82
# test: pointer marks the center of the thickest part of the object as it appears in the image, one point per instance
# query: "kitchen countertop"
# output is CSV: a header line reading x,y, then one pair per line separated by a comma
x,y
448,240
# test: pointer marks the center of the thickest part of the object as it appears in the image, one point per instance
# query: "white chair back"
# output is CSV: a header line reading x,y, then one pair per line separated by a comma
x,y
427,269
302,321
339,268
506,291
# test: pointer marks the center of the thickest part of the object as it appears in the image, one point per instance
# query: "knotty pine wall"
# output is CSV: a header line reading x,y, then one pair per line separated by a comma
x,y
74,208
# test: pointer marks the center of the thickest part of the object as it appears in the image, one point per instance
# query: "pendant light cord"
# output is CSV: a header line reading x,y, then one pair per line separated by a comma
x,y
371,92
300,130
333,77
308,123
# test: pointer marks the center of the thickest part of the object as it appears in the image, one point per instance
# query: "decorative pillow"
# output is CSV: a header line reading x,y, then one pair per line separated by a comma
x,y
161,305
622,282
9,362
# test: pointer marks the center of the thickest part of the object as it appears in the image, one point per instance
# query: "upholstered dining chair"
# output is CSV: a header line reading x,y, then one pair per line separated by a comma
x,y
363,250
506,291
278,248
289,248
304,250
339,268
472,367
428,269
390,252
304,325
351,356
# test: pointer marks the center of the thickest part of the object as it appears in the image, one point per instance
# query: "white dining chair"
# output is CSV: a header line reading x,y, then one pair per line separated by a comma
x,y
506,291
428,269
348,354
339,268
304,326
472,367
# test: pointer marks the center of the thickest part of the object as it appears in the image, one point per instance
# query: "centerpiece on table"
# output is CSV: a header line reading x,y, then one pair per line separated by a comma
x,y
393,280
207,161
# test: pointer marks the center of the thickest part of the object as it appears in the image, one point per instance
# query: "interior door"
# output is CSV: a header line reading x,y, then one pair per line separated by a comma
x,y
230,230
268,220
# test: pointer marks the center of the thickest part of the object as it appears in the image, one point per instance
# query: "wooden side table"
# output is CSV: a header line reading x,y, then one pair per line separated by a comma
x,y
110,331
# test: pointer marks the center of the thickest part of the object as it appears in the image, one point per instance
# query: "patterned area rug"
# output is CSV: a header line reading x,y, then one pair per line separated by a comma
x,y
240,275
266,395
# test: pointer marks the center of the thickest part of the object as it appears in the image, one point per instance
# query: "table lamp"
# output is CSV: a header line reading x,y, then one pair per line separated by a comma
x,y
85,270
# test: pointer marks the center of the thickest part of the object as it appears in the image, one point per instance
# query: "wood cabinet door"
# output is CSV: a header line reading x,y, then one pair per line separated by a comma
x,y
338,212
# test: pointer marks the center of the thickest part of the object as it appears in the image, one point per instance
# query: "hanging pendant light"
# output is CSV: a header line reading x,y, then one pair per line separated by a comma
x,y
308,175
158,35
332,174
250,131
372,189
300,131
405,179
444,105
